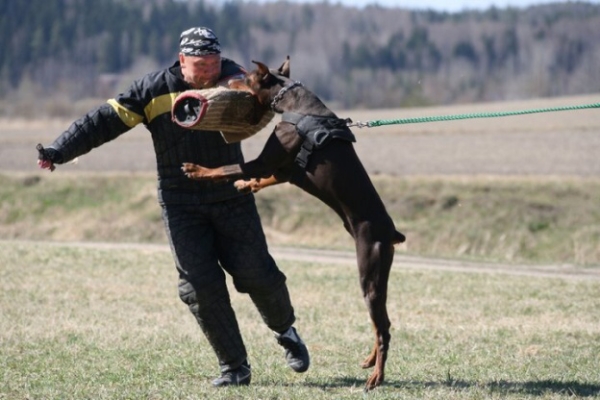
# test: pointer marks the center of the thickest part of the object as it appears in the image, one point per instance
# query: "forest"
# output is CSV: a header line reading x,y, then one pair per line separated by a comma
x,y
64,51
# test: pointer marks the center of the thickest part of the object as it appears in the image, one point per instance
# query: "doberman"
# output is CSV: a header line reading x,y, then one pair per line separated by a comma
x,y
312,149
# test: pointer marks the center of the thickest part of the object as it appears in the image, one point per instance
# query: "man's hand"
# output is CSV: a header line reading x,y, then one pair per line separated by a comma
x,y
45,158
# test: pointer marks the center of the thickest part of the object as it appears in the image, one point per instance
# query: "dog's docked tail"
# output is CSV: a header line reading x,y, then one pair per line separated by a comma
x,y
398,238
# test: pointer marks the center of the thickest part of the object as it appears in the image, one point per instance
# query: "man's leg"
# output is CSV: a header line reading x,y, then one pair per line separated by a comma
x,y
202,282
244,254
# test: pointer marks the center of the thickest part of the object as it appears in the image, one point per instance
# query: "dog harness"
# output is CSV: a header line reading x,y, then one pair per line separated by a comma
x,y
316,131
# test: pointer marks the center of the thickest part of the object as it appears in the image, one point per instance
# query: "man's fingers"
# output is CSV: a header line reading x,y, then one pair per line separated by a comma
x,y
46,164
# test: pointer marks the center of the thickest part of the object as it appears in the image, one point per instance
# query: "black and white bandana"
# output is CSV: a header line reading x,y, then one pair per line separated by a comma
x,y
199,42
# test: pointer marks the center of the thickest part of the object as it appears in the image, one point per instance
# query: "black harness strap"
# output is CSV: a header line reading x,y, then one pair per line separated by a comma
x,y
304,154
316,131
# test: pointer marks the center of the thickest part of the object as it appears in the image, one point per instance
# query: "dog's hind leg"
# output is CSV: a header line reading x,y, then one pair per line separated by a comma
x,y
374,261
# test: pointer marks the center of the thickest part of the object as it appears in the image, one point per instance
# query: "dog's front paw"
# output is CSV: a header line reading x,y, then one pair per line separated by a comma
x,y
252,185
192,171
243,186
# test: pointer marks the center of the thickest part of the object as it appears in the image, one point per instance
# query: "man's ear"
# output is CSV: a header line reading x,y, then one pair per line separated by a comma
x,y
285,68
263,70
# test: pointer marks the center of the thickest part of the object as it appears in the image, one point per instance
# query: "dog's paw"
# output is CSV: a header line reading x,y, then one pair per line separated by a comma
x,y
188,167
192,171
252,185
243,186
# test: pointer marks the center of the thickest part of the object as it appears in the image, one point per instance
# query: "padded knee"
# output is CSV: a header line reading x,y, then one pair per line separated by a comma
x,y
275,307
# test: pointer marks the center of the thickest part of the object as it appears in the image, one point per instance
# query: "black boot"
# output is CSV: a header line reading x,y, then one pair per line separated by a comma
x,y
239,376
296,352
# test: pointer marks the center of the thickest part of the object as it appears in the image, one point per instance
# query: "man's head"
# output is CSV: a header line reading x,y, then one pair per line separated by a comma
x,y
200,57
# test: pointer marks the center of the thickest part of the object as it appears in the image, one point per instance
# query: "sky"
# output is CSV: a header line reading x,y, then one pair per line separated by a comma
x,y
439,5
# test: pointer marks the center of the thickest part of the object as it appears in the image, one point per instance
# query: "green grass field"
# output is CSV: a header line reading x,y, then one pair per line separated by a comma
x,y
105,323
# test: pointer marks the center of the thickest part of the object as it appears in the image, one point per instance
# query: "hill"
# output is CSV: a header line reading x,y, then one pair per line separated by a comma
x,y
62,51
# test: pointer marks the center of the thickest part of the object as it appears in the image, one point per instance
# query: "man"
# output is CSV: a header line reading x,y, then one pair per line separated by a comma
x,y
211,227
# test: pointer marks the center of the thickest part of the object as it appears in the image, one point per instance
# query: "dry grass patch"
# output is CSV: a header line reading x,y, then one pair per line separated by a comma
x,y
520,220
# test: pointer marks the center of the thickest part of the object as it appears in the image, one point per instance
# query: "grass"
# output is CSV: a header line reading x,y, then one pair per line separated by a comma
x,y
80,207
107,324
524,220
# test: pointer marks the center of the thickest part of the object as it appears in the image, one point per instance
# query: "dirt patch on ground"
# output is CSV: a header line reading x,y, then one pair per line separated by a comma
x,y
400,261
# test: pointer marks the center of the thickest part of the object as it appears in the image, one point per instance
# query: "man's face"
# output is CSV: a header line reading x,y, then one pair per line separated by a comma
x,y
201,72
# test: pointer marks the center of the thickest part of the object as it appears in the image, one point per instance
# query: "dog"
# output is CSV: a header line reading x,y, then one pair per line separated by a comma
x,y
312,149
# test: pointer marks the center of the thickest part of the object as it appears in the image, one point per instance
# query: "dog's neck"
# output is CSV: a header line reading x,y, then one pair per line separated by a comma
x,y
294,97
281,92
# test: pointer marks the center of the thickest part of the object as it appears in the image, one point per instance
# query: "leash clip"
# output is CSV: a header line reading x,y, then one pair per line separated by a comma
x,y
358,124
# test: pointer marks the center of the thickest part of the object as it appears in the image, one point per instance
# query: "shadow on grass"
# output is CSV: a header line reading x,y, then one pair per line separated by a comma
x,y
536,388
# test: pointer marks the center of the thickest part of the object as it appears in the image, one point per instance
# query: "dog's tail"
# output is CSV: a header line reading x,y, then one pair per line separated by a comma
x,y
398,238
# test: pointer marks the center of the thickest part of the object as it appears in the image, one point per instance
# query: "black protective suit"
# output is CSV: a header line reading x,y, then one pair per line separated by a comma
x,y
211,226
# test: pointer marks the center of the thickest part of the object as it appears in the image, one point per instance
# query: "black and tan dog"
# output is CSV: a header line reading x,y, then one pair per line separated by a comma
x,y
312,148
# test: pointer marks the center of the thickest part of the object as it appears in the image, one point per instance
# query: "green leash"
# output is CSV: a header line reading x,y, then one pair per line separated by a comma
x,y
380,122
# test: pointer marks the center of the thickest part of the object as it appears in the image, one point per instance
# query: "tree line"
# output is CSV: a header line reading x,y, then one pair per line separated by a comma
x,y
371,57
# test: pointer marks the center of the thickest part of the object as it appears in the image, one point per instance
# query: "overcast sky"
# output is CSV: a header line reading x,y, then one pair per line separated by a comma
x,y
441,5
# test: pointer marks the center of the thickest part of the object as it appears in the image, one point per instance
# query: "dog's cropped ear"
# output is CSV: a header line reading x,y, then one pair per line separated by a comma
x,y
285,68
263,70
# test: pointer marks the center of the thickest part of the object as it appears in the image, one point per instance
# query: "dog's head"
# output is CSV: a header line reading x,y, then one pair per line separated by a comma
x,y
263,82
